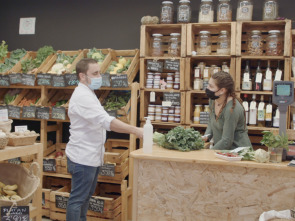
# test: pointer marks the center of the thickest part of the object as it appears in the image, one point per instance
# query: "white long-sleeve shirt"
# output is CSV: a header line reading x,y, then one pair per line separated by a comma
x,y
89,122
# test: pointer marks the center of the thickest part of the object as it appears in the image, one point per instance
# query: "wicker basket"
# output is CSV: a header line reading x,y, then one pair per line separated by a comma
x,y
22,141
26,180
3,142
5,126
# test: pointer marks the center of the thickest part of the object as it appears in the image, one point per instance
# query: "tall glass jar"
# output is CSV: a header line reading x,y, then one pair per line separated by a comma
x,y
270,10
167,12
274,43
255,43
224,11
223,43
245,10
157,49
206,13
184,12
204,43
174,46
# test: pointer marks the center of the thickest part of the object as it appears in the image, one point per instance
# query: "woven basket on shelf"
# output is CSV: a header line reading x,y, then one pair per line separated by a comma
x,y
25,179
22,141
3,142
5,126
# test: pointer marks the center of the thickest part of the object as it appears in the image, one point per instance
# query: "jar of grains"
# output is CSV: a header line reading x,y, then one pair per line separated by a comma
x,y
184,12
204,43
245,10
223,43
157,49
255,43
224,11
206,13
270,10
167,11
274,43
174,47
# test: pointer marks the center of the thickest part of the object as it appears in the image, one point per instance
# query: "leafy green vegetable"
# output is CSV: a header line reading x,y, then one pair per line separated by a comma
x,y
3,50
180,139
116,100
65,59
11,95
261,156
275,141
15,56
96,55
28,65
42,54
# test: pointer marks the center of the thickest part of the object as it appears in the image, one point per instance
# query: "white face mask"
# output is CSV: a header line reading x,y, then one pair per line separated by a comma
x,y
95,83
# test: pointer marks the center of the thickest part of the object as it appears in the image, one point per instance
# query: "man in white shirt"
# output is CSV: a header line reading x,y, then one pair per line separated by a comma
x,y
85,149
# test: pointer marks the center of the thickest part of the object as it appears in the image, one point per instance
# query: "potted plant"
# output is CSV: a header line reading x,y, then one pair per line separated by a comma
x,y
276,144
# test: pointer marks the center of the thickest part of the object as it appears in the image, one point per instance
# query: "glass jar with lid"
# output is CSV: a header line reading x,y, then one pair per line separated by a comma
x,y
157,47
167,11
204,43
202,65
225,67
245,10
274,43
224,11
270,10
206,13
255,43
223,43
184,12
174,47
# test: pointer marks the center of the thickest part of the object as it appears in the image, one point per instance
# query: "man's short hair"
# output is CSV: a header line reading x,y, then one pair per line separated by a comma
x,y
83,65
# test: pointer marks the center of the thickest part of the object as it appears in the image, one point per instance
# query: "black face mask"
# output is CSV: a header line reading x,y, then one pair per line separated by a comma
x,y
211,94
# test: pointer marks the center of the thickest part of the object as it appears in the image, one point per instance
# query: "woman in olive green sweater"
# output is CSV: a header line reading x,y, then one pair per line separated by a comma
x,y
227,125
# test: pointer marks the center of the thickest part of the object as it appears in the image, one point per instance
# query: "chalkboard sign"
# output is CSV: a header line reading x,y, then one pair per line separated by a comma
x,y
106,80
96,205
71,80
174,97
58,113
15,161
42,113
14,111
171,65
17,213
61,201
3,107
107,170
28,79
155,65
49,165
15,78
29,112
119,81
112,113
58,81
44,79
4,80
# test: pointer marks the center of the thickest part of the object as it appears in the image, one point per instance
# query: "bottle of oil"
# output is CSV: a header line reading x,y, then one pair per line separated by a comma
x,y
261,112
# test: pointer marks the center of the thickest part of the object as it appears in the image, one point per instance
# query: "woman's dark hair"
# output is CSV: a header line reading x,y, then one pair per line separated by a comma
x,y
83,65
224,80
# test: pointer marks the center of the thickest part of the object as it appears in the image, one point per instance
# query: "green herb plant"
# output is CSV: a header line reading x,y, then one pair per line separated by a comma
x,y
275,141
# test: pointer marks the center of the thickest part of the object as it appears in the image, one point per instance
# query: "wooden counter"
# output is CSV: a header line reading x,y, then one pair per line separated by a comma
x,y
173,185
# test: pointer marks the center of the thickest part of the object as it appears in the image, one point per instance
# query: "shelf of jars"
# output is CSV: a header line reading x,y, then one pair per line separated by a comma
x,y
163,40
211,39
199,71
259,38
162,74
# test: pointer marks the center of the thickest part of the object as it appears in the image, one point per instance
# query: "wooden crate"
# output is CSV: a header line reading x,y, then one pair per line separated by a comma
x,y
293,52
144,71
110,193
147,31
193,31
28,94
245,28
191,63
145,101
18,63
285,66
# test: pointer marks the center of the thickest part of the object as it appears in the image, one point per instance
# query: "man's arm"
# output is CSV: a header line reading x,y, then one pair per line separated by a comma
x,y
120,127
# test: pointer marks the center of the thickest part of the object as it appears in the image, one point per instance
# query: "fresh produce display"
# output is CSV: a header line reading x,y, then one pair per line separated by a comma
x,y
116,100
9,192
119,67
10,96
59,103
3,50
15,56
30,65
228,154
29,100
62,64
261,156
96,54
26,133
180,139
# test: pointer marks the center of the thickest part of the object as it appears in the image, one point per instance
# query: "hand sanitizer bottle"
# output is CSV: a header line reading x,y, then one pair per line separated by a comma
x,y
147,136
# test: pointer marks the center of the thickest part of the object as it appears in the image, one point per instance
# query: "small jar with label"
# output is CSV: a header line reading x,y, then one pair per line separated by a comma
x,y
202,65
176,118
207,73
206,108
165,110
270,10
206,13
171,118
174,47
150,75
167,11
224,67
164,117
214,69
198,84
184,12
171,110
197,113
177,76
274,43
151,116
170,77
223,43
157,49
158,117
224,11
169,85
177,110
151,108
245,10
204,43
176,85
255,43
158,109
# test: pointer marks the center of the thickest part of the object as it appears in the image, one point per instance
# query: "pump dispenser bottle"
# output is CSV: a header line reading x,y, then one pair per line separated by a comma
x,y
147,136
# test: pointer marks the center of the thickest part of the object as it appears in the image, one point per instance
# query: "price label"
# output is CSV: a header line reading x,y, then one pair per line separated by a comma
x,y
268,75
14,111
58,81
269,108
15,78
58,113
42,113
261,106
246,77
107,170
172,65
4,80
49,165
278,76
29,112
21,128
156,66
4,114
61,201
174,97
106,80
44,79
28,79
17,213
152,96
71,79
119,81
253,105
258,78
96,205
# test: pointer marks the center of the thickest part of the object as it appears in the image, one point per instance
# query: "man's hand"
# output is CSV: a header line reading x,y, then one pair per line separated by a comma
x,y
139,132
